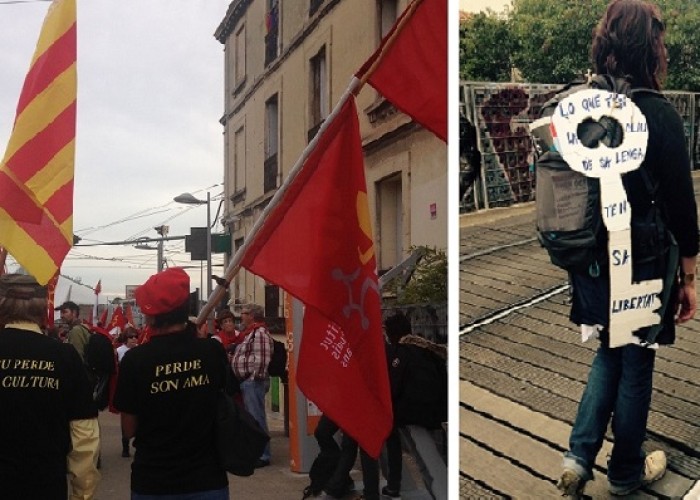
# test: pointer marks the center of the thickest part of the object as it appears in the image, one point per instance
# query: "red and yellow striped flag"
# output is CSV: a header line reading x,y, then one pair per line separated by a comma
x,y
36,173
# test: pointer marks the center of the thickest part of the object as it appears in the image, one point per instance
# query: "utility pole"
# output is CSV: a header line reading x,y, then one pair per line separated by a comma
x,y
163,232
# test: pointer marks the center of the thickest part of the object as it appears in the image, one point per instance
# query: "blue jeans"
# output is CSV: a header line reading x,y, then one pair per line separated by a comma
x,y
254,401
221,494
619,385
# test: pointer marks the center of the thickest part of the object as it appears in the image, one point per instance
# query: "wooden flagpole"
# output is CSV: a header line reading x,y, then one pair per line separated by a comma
x,y
3,259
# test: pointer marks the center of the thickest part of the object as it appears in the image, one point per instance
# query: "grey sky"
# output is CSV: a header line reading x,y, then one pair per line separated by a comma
x,y
479,5
150,94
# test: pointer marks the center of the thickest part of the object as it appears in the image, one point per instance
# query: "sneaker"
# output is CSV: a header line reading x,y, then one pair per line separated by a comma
x,y
654,469
571,484
387,492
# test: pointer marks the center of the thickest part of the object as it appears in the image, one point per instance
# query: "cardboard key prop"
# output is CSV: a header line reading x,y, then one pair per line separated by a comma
x,y
632,305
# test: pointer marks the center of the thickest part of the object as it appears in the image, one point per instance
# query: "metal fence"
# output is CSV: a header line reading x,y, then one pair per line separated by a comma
x,y
502,112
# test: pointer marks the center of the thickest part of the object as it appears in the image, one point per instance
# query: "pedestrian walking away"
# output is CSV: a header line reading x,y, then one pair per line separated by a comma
x,y
167,395
48,426
628,43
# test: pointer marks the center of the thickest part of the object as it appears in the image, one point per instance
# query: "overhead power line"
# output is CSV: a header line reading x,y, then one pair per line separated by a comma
x,y
8,2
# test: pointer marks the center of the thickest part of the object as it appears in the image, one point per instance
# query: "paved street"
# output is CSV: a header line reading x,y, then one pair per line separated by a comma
x,y
523,369
275,482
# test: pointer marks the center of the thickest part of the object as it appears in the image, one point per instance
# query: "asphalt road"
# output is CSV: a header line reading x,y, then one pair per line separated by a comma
x,y
273,482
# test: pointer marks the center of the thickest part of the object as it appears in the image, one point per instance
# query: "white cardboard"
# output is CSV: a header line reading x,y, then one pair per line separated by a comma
x,y
632,305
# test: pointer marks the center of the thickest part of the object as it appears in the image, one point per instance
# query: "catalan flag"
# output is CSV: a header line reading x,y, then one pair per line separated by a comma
x,y
36,173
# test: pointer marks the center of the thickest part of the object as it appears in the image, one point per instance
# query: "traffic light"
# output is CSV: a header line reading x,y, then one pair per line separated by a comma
x,y
196,243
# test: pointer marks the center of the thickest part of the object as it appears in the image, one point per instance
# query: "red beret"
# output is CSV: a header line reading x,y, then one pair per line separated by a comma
x,y
163,292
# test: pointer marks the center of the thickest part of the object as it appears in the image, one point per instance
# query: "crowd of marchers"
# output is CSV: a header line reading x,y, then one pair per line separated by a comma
x,y
56,380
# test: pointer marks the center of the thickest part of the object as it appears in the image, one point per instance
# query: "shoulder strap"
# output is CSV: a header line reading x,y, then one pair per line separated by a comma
x,y
642,90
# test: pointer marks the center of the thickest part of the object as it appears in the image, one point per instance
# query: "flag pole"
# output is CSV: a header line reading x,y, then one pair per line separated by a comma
x,y
3,259
94,309
235,264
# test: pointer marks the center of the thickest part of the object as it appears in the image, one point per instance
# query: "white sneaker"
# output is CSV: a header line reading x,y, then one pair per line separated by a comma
x,y
571,484
654,469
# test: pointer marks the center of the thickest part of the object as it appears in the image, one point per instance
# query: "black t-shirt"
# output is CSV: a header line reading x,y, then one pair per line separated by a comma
x,y
43,386
170,384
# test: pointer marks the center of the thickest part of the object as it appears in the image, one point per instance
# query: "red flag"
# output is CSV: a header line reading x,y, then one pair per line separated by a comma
x,y
118,319
129,315
411,65
103,317
317,244
98,287
36,173
51,296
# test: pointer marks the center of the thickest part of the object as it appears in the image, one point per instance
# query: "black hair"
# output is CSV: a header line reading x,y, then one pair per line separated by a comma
x,y
397,326
174,317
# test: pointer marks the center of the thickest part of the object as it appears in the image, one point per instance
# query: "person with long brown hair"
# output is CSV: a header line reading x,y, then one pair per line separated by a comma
x,y
628,43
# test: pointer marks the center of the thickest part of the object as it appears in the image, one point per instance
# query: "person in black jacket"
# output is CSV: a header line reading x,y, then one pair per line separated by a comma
x,y
418,379
629,43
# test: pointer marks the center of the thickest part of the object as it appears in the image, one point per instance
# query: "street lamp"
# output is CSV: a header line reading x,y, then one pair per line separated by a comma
x,y
189,199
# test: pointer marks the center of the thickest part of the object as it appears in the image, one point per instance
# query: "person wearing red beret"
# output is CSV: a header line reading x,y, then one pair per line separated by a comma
x,y
167,392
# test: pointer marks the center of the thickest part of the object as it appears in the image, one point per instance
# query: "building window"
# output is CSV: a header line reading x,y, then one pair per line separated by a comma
x,y
272,36
313,6
387,16
272,301
239,61
238,165
271,144
319,91
390,217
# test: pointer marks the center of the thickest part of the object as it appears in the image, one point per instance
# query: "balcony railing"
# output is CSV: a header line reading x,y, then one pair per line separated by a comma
x,y
312,131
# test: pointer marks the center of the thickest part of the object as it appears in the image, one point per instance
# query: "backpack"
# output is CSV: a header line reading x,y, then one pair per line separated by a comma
x,y
99,354
569,219
100,363
239,438
278,360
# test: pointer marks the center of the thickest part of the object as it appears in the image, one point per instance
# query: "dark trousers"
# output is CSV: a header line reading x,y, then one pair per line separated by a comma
x,y
394,455
370,470
325,430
